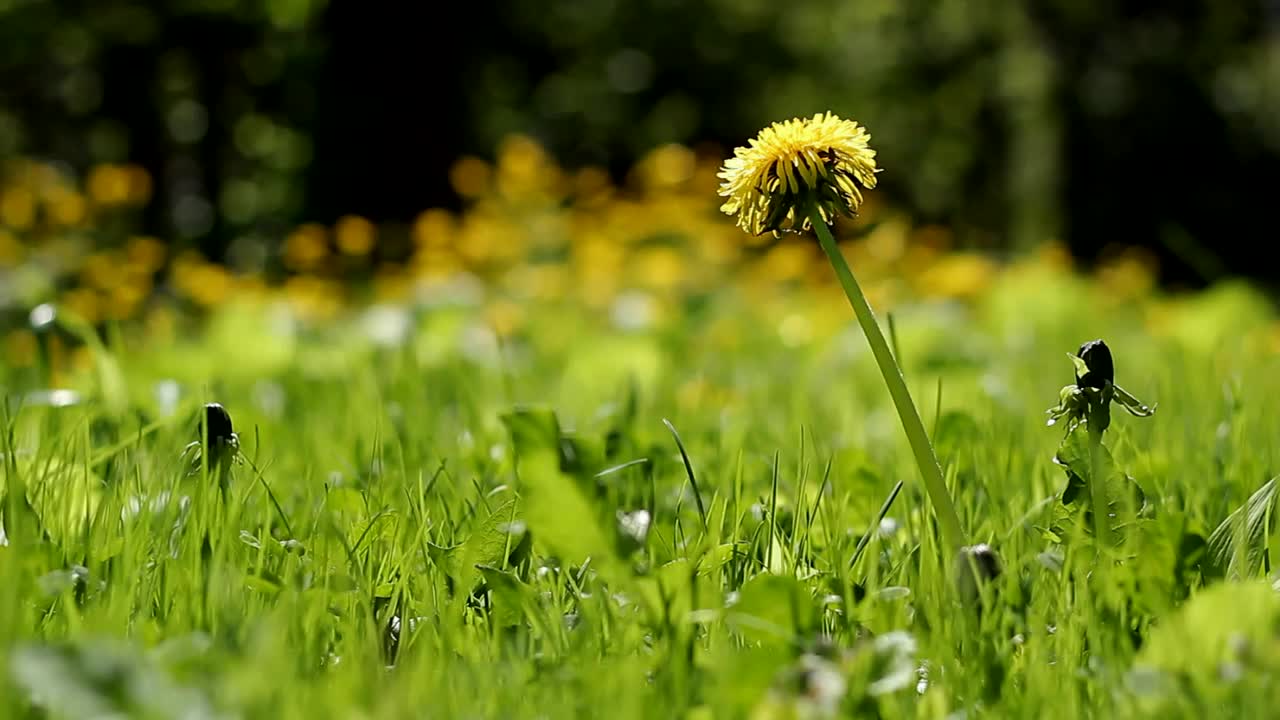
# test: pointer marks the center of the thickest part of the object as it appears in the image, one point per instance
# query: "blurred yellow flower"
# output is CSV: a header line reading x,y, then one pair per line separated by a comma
x,y
251,289
887,242
435,263
214,285
659,267
11,250
17,207
591,186
101,270
1130,274
504,316
81,358
139,184
524,171
666,168
469,177
108,185
85,303
314,298
538,281
161,323
306,247
206,283
20,348
146,253
788,261
123,300
391,285
65,207
791,166
957,275
434,228
354,235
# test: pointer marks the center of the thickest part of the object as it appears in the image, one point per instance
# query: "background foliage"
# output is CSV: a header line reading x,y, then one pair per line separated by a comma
x,y
1091,122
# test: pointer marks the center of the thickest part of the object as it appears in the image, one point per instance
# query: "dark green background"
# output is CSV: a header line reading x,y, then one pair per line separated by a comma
x,y
1100,123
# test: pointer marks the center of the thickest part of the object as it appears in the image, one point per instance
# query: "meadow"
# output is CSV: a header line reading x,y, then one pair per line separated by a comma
x,y
591,451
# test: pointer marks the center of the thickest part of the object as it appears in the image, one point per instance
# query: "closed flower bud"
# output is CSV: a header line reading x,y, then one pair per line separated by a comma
x,y
217,424
1102,369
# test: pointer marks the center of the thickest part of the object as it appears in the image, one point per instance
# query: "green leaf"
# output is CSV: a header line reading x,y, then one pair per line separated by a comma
x,y
742,677
65,498
1136,407
773,608
1226,631
719,556
668,592
557,511
1124,497
264,582
1238,546
1081,367
495,536
509,597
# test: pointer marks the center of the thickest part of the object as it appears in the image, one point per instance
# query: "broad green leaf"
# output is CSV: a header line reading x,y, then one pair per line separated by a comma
x,y
1124,497
773,608
743,676
1221,647
65,497
495,536
668,592
557,511
510,598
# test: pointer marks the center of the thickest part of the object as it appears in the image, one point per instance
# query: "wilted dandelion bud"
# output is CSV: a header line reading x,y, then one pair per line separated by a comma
x,y
217,423
795,166
1094,390
976,566
1101,368
224,444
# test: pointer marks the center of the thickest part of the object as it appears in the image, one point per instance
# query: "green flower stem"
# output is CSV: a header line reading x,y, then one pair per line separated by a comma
x,y
1101,532
930,471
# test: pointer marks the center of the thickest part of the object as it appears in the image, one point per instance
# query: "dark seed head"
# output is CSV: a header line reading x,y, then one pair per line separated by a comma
x,y
217,423
1097,356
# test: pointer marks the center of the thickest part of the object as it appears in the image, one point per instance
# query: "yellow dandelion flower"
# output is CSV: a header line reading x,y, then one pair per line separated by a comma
x,y
504,317
84,303
822,162
666,168
21,348
434,228
958,275
354,235
109,185
147,253
17,207
469,177
306,247
11,249
123,300
65,207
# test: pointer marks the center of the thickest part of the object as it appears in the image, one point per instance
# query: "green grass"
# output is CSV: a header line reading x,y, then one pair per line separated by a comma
x,y
486,499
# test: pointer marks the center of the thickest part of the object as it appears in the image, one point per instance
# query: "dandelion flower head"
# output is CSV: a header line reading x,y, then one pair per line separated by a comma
x,y
821,162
